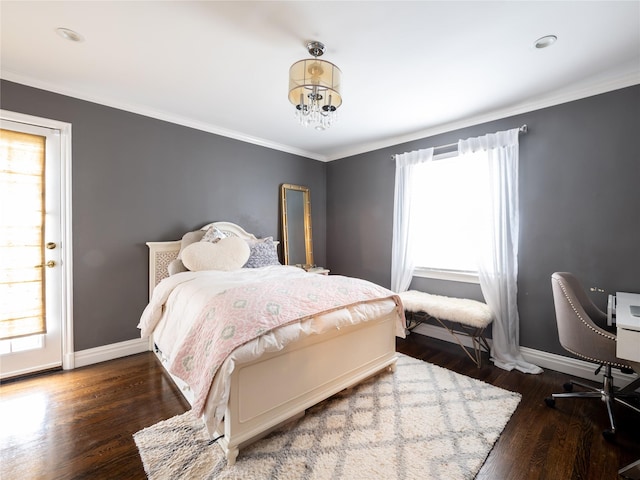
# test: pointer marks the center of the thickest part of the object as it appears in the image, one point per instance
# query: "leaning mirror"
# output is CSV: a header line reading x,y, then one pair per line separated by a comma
x,y
295,206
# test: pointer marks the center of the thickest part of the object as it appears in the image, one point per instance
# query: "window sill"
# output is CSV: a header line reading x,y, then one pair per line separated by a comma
x,y
450,275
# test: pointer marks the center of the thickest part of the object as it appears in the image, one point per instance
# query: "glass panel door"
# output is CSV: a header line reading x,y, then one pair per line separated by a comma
x,y
30,281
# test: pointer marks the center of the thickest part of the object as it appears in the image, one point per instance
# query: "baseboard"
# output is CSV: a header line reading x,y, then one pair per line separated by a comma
x,y
551,361
110,352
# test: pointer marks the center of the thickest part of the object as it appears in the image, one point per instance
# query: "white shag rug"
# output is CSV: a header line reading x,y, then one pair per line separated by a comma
x,y
421,422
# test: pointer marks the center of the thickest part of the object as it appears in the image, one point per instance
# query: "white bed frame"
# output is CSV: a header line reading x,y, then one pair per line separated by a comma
x,y
282,385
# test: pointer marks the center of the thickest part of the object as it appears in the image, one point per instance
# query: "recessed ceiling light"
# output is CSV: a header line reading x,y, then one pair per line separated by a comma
x,y
547,40
69,34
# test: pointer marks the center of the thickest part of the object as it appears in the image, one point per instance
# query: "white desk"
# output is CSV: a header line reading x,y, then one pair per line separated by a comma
x,y
628,348
628,327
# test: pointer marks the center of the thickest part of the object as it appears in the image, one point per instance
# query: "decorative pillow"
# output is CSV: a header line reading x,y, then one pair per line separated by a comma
x,y
229,253
213,235
263,253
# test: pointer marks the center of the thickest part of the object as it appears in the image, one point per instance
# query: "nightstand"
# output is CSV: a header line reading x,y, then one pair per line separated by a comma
x,y
319,271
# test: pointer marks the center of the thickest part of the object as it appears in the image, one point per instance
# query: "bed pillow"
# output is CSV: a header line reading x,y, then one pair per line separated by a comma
x,y
263,253
213,235
176,265
229,253
189,238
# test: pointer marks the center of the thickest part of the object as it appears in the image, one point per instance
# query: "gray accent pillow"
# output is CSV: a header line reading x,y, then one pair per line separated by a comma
x,y
263,253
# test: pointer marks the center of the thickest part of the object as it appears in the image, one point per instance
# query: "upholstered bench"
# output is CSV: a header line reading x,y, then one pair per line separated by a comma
x,y
469,318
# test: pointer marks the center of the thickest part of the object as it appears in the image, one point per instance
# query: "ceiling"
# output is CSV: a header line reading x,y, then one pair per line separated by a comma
x,y
409,69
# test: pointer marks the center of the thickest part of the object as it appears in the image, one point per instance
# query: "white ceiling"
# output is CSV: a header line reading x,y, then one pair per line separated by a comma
x,y
410,69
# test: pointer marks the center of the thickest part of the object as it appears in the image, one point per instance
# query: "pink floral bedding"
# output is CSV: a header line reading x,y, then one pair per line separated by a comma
x,y
241,314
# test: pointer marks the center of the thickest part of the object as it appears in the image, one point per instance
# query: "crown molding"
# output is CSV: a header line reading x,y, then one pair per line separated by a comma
x,y
158,115
546,101
524,107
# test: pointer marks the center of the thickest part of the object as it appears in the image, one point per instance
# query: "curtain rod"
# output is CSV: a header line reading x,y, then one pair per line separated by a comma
x,y
522,129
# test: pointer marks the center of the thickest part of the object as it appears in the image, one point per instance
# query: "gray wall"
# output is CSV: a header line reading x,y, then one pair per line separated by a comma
x,y
579,206
137,179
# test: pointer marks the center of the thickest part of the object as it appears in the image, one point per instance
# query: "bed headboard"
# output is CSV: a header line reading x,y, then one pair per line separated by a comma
x,y
161,254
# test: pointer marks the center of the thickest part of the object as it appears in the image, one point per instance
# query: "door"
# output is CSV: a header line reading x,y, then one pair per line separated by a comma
x,y
31,274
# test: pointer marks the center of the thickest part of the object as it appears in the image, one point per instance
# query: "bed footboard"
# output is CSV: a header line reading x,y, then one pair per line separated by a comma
x,y
282,385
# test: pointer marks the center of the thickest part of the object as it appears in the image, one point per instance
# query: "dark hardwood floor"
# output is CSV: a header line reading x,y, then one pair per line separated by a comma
x,y
539,442
79,424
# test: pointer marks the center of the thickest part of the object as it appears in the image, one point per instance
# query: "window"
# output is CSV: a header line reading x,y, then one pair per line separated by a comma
x,y
450,199
22,170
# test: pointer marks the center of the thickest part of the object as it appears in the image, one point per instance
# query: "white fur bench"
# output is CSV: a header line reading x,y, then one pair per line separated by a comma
x,y
470,316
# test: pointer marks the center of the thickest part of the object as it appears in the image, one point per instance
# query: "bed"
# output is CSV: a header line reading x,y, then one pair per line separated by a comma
x,y
276,376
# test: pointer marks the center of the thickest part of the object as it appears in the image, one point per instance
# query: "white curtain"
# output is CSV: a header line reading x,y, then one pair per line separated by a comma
x,y
402,263
498,255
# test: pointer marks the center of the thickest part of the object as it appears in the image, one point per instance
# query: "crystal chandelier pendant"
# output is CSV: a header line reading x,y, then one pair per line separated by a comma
x,y
314,89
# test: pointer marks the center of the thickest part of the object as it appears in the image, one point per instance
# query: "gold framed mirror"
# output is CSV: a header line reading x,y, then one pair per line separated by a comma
x,y
295,207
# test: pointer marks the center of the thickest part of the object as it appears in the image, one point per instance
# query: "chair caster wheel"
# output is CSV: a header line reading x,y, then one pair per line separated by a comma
x,y
568,387
550,401
609,435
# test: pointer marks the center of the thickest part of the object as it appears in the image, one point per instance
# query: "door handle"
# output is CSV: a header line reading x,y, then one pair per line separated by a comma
x,y
50,245
49,264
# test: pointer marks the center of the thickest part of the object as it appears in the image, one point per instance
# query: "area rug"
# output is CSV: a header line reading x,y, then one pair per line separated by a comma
x,y
421,422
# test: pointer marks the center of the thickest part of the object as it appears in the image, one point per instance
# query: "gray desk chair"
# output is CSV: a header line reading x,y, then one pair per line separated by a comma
x,y
578,318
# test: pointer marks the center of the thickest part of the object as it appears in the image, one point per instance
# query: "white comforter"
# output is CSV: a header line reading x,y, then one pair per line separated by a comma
x,y
178,300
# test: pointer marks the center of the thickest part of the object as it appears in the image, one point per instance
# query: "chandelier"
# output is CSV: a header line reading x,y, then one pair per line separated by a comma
x,y
314,88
